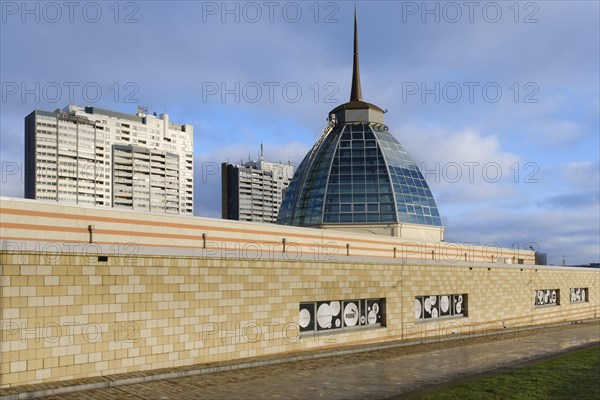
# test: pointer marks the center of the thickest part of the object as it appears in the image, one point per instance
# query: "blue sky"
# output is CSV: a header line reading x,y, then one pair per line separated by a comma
x,y
498,102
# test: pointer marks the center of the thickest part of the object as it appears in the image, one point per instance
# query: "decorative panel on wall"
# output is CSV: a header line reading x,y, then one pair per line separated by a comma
x,y
547,297
438,306
341,314
579,295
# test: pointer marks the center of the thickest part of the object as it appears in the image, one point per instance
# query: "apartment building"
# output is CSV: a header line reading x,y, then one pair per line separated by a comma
x,y
97,157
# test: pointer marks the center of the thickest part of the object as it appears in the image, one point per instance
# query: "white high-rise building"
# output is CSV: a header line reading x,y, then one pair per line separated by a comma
x,y
253,191
92,156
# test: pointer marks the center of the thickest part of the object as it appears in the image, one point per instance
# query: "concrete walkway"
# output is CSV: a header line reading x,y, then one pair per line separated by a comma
x,y
379,374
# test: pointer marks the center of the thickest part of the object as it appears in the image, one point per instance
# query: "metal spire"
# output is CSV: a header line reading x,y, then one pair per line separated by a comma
x,y
356,93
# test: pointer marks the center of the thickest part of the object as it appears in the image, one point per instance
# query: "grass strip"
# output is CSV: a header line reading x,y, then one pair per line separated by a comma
x,y
572,376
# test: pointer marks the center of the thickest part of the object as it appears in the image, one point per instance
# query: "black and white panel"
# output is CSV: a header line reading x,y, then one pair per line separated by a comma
x,y
445,305
540,297
419,308
363,313
351,313
427,307
329,315
340,314
307,317
579,295
434,306
439,306
547,297
459,304
373,311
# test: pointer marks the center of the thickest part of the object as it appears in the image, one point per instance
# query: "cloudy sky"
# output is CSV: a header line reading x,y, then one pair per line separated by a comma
x,y
497,102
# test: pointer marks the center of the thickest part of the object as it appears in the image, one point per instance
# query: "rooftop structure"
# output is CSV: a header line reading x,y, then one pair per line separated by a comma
x,y
358,177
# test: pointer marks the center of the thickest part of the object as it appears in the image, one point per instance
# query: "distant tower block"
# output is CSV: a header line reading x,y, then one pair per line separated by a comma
x,y
253,191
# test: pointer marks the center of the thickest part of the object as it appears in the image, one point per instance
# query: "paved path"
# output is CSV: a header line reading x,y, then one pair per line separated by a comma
x,y
379,374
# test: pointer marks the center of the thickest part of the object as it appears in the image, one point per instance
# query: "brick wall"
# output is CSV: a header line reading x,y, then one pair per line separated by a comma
x,y
67,316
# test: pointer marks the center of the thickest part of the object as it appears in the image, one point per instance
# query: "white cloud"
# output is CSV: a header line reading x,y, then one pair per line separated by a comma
x,y
461,166
573,232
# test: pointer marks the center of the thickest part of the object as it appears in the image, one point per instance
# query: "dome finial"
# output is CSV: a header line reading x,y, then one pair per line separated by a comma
x,y
356,92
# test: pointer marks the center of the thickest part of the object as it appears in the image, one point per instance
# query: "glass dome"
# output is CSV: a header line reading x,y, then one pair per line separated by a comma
x,y
358,173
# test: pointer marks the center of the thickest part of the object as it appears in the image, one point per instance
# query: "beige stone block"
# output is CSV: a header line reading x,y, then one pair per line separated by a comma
x,y
10,291
18,366
25,311
35,280
44,270
19,280
95,280
51,280
42,374
28,270
10,313
8,270
81,358
74,290
4,370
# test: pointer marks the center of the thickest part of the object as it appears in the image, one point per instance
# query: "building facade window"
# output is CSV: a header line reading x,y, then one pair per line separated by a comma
x,y
547,297
341,314
579,295
440,306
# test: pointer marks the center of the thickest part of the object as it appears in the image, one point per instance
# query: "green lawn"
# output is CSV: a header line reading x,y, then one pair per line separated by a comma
x,y
572,376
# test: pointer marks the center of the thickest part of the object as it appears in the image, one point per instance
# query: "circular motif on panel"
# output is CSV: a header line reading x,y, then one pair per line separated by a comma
x,y
324,316
304,318
428,305
540,296
372,317
335,307
444,304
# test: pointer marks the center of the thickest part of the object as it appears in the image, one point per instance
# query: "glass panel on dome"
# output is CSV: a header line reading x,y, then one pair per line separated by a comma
x,y
410,188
